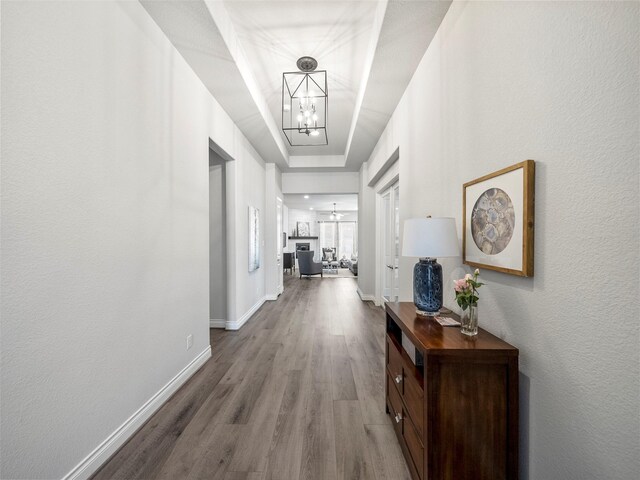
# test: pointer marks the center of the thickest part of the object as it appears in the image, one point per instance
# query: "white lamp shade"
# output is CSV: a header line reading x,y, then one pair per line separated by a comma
x,y
430,237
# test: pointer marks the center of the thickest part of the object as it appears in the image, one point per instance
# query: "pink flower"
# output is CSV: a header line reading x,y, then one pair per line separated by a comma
x,y
468,277
461,285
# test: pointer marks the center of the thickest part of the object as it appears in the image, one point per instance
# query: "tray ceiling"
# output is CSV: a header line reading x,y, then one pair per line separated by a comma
x,y
240,48
337,34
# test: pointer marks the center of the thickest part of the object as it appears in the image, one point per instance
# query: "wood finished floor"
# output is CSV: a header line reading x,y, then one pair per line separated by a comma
x,y
297,393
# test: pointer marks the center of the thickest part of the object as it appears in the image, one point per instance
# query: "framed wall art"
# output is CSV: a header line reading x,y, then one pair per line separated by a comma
x,y
254,239
497,220
304,229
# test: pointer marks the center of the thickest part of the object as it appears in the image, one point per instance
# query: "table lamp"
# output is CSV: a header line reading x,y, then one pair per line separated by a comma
x,y
429,239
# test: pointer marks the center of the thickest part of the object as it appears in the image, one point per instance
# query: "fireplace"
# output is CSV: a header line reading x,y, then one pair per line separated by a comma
x,y
303,246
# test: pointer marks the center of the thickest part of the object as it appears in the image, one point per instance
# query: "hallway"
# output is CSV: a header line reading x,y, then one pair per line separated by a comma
x,y
298,392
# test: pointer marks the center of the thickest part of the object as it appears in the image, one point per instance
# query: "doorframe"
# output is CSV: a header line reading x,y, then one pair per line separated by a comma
x,y
279,231
391,177
230,192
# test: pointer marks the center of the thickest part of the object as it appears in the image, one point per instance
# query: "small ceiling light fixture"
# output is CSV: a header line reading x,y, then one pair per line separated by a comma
x,y
304,104
306,196
335,215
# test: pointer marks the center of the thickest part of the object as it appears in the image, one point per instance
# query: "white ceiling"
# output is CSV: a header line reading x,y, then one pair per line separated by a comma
x,y
274,34
322,203
240,48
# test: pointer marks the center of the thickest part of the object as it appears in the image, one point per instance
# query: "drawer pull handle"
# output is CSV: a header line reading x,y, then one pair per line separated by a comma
x,y
398,378
398,417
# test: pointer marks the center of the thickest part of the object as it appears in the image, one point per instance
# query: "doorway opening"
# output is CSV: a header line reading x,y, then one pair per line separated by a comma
x,y
218,308
327,225
279,245
389,258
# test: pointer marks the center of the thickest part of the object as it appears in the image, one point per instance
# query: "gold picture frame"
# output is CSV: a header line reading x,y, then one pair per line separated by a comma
x,y
498,220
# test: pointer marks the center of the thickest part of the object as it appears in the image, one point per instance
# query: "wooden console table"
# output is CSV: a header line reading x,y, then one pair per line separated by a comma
x,y
455,411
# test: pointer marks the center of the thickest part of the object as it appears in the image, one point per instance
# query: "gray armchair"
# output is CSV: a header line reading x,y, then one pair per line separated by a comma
x,y
306,265
328,254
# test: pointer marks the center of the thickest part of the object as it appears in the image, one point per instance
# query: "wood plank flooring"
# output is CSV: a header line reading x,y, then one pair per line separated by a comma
x,y
297,393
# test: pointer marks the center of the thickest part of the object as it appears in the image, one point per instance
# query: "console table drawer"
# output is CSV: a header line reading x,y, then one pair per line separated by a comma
x,y
394,400
412,440
413,397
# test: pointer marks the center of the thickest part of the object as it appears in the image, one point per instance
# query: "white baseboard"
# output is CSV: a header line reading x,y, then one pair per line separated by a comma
x,y
217,323
101,454
366,297
243,319
270,297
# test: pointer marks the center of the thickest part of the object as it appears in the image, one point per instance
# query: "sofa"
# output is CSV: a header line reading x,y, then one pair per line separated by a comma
x,y
352,264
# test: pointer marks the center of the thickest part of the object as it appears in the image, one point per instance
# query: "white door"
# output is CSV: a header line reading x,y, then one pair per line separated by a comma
x,y
390,243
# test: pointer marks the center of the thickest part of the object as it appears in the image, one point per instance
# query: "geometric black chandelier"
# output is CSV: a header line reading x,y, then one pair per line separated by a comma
x,y
305,104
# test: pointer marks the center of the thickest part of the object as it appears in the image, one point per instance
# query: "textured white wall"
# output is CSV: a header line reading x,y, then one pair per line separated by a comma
x,y
249,181
556,82
105,136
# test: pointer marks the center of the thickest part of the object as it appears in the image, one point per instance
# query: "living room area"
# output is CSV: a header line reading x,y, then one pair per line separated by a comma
x,y
321,237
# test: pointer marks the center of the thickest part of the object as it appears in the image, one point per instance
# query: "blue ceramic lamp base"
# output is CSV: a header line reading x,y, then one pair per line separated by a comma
x,y
427,287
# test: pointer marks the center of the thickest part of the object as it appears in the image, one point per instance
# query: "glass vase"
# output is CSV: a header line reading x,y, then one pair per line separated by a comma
x,y
469,320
